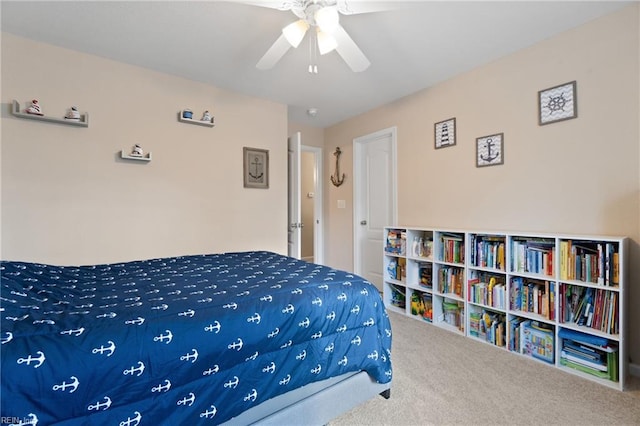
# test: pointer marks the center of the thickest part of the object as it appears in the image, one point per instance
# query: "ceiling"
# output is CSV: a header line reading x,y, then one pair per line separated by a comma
x,y
412,47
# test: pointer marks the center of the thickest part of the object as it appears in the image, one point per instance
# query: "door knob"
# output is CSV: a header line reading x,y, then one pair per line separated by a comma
x,y
363,222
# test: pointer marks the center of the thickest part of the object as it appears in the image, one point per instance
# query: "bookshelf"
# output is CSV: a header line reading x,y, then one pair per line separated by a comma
x,y
557,299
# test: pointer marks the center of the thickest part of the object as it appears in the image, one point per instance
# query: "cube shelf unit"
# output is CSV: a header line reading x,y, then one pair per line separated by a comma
x,y
558,299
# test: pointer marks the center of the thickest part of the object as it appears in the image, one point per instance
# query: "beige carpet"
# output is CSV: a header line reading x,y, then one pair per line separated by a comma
x,y
440,378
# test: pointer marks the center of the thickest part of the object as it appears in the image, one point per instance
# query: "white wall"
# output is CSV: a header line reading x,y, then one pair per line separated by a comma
x,y
67,197
578,176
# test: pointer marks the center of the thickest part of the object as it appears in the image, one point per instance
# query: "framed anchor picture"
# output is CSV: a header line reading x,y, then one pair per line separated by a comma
x,y
557,103
490,150
445,133
255,167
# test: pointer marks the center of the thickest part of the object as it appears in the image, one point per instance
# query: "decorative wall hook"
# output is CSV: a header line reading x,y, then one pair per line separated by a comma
x,y
336,179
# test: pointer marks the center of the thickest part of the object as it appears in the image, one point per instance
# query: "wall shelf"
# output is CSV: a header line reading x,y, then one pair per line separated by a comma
x,y
124,155
192,121
83,122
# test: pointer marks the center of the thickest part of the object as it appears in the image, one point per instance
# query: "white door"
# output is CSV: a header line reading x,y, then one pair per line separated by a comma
x,y
312,229
375,200
294,234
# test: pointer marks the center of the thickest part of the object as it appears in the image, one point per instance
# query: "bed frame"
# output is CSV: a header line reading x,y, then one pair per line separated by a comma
x,y
315,404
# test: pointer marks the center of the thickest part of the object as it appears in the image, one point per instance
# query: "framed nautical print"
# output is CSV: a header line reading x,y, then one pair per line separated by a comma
x,y
445,133
256,167
489,150
557,103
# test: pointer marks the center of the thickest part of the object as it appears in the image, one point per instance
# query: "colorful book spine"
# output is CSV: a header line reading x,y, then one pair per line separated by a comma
x,y
534,256
590,307
532,296
452,248
451,281
589,261
590,354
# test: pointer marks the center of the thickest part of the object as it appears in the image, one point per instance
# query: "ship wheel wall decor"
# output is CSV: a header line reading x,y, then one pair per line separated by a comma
x,y
336,179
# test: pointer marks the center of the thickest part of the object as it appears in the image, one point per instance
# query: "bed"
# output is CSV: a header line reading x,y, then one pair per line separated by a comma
x,y
236,338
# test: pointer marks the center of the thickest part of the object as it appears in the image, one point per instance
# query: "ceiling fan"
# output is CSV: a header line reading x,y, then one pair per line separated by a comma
x,y
323,18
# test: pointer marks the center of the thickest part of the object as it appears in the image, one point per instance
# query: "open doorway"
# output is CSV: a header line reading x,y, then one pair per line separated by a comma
x,y
312,249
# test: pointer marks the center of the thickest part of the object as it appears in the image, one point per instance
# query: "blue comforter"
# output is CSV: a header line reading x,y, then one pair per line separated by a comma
x,y
182,340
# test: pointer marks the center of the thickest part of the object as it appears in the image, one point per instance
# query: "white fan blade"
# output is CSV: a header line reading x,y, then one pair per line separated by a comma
x,y
273,4
349,51
275,52
350,7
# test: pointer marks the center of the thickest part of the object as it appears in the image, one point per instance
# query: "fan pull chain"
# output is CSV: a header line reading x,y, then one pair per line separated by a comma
x,y
313,67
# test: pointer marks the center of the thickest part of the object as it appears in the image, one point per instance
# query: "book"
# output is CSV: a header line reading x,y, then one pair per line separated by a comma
x,y
585,369
582,361
537,341
582,351
578,336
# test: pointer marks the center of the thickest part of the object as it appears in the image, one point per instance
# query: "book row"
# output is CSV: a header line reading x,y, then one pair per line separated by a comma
x,y
487,289
488,252
580,260
533,296
534,256
595,308
590,261
452,248
589,307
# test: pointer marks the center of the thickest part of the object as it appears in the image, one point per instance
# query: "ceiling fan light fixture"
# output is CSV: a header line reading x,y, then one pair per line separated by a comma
x,y
295,31
326,42
327,19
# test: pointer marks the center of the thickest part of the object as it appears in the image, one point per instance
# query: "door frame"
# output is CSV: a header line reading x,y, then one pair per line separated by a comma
x,y
318,205
293,195
358,146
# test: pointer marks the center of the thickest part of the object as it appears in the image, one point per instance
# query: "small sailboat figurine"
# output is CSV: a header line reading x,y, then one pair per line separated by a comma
x,y
73,114
207,117
34,108
137,151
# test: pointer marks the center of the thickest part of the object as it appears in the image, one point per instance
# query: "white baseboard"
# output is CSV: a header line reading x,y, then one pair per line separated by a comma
x,y
634,370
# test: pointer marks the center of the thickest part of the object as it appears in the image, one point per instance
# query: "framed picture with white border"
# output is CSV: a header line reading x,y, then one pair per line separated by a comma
x,y
490,150
255,167
445,133
557,103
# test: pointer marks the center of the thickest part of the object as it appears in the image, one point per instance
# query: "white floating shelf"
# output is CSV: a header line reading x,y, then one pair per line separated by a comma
x,y
146,157
83,122
192,121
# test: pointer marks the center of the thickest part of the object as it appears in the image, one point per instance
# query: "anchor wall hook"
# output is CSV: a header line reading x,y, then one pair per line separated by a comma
x,y
336,179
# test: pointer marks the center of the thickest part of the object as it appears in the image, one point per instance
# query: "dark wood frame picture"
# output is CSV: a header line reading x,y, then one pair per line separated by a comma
x,y
557,103
255,167
494,155
444,133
